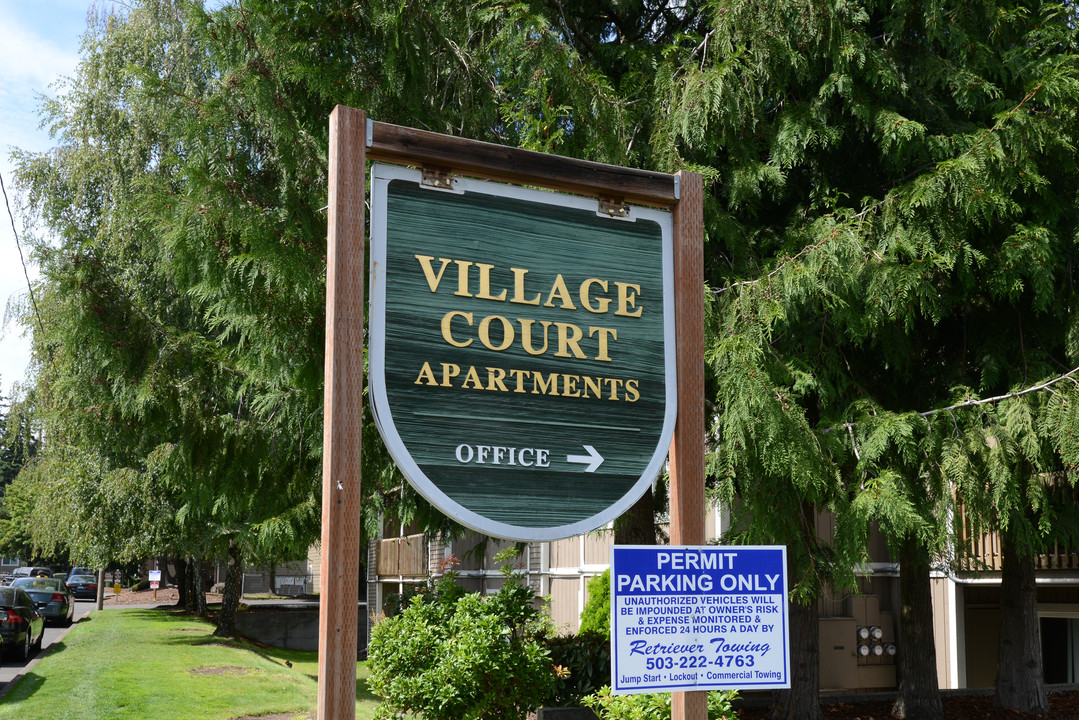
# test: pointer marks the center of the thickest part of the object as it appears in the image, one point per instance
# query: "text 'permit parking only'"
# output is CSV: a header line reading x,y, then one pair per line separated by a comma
x,y
698,618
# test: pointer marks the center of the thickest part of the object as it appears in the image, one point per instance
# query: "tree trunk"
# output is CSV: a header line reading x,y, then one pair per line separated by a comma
x,y
273,578
637,526
1020,677
230,599
181,582
916,662
200,586
100,588
801,701
167,577
190,602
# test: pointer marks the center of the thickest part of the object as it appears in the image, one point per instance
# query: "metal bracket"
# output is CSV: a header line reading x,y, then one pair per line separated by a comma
x,y
438,177
613,207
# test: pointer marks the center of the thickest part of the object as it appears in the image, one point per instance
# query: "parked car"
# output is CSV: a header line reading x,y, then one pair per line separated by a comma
x,y
7,579
25,572
81,571
82,586
51,598
22,627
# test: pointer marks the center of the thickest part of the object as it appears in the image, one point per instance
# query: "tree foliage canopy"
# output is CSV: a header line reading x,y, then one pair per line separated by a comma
x,y
893,230
891,246
181,301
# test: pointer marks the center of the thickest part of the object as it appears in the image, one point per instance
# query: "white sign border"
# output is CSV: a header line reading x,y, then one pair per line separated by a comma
x,y
381,175
702,687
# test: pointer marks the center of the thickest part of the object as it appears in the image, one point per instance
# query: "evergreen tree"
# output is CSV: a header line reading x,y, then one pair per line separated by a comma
x,y
18,446
17,442
892,230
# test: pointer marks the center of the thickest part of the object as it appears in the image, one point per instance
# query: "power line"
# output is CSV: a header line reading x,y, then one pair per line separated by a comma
x,y
22,259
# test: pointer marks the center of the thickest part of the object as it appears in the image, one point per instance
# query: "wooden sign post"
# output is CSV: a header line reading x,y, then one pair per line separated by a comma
x,y
353,140
687,445
343,419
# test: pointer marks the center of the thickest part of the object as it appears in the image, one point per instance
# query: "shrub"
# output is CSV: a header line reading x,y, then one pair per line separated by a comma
x,y
653,706
394,603
586,659
462,656
648,706
596,616
139,585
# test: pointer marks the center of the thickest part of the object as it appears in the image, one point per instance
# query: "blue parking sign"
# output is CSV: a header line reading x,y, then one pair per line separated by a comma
x,y
705,617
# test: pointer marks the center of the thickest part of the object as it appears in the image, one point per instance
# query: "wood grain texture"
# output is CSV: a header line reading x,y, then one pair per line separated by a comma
x,y
394,143
434,417
342,417
687,445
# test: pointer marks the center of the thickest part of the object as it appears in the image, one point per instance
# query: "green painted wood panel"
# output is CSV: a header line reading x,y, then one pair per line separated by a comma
x,y
516,331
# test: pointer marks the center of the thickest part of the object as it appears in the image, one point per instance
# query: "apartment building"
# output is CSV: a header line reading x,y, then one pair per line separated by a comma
x,y
858,630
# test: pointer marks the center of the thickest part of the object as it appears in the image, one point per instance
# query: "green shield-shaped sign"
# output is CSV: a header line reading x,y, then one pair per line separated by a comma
x,y
521,351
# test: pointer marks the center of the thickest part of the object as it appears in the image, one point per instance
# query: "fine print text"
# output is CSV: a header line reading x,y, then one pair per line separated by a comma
x,y
709,617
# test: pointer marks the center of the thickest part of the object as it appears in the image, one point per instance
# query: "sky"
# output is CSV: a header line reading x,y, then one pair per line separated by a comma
x,y
39,43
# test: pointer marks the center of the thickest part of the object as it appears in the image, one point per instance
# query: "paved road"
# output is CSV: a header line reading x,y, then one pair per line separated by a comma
x,y
12,667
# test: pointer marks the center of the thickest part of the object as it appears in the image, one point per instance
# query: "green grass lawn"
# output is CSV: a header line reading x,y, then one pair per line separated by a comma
x,y
156,664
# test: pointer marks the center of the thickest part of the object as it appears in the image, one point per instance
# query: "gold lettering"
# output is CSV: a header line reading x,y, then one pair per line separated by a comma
x,y
429,273
559,289
485,284
601,341
627,299
462,278
485,333
586,300
449,372
519,376
526,335
495,376
472,379
447,319
569,337
519,288
544,387
589,387
426,376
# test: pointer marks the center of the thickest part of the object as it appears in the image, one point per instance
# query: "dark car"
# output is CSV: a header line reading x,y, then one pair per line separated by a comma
x,y
81,571
51,598
21,626
25,572
82,586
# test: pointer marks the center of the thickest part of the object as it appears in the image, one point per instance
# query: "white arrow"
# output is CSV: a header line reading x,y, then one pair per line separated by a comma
x,y
593,459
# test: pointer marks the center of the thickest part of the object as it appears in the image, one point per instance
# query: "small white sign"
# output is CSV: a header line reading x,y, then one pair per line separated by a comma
x,y
708,617
155,576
